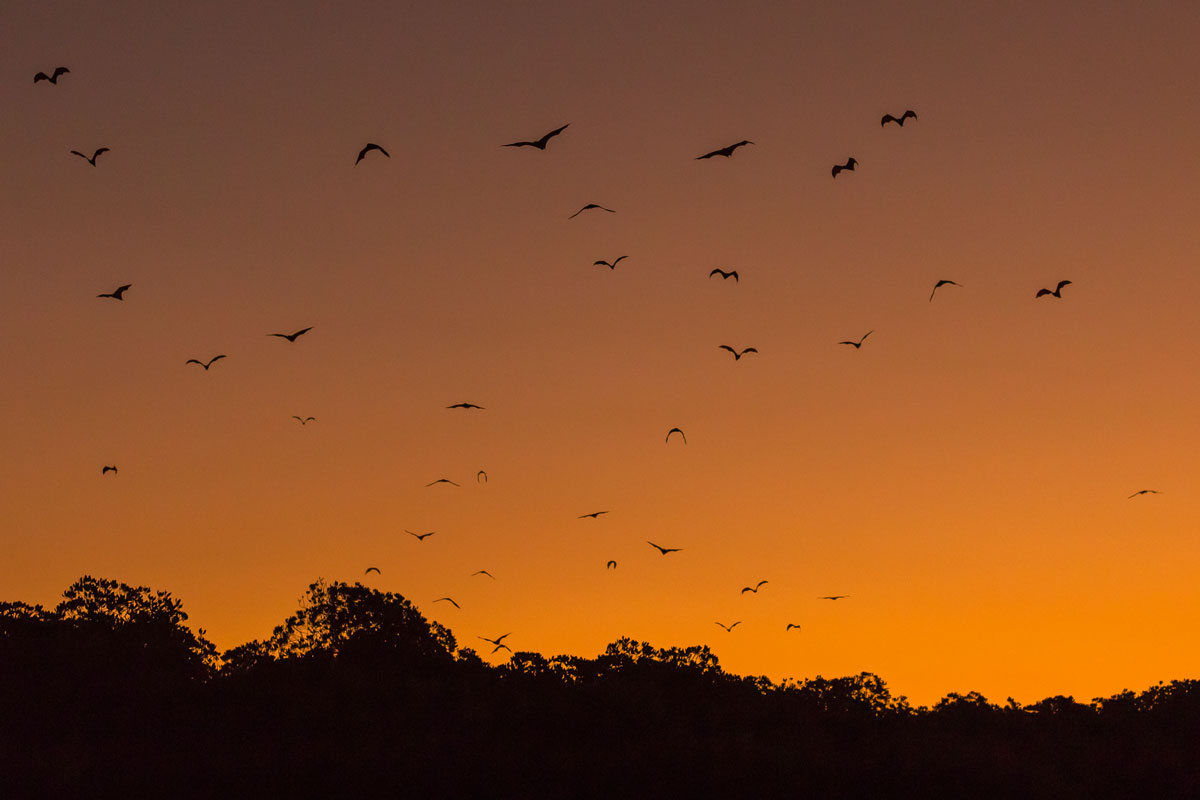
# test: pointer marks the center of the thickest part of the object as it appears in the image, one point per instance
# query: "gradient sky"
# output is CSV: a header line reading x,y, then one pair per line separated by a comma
x,y
963,477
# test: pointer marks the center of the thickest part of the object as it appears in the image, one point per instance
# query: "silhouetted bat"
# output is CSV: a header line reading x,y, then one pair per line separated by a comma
x,y
441,480
725,151
754,588
725,275
940,284
450,601
729,628
676,430
41,76
91,160
858,344
117,294
370,146
851,164
113,470
466,405
540,144
1056,293
663,550
898,120
201,363
590,205
736,355
613,265
291,337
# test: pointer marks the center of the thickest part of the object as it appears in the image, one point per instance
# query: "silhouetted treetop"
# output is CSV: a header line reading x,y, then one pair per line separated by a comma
x,y
340,620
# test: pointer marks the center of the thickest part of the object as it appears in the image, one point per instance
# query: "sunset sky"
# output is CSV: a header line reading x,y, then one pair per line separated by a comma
x,y
963,477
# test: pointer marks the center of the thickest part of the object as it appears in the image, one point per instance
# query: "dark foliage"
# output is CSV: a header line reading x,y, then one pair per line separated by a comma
x,y
111,693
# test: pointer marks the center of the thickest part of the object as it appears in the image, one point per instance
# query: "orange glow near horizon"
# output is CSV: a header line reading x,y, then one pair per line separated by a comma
x,y
963,477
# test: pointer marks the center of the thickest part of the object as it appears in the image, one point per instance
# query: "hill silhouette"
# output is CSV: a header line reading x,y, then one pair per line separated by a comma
x,y
356,692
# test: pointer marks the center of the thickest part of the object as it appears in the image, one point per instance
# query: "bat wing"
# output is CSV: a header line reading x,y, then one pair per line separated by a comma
x,y
59,71
907,114
552,134
886,119
1042,292
618,261
1061,284
750,350
98,152
194,361
725,347
81,155
215,358
301,332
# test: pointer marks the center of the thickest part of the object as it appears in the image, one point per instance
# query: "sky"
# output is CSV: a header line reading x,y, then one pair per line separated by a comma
x,y
964,476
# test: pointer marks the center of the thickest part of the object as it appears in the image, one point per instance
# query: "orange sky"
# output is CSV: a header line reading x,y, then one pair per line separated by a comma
x,y
963,476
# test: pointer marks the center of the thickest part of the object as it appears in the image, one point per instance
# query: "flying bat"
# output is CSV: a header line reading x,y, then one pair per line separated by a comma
x,y
117,293
676,430
372,569
201,363
1056,293
754,588
858,344
441,480
663,550
729,628
304,420
370,146
850,165
611,565
613,265
104,470
540,144
483,572
420,536
898,120
53,78
91,160
590,205
725,151
593,515
450,601
725,275
1143,491
790,626
736,355
940,284
291,337
481,477
833,597
466,405
498,641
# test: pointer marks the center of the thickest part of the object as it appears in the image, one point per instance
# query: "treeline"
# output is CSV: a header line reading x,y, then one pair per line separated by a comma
x,y
111,693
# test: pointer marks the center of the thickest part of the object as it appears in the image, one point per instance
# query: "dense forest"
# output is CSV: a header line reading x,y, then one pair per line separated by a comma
x,y
110,692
